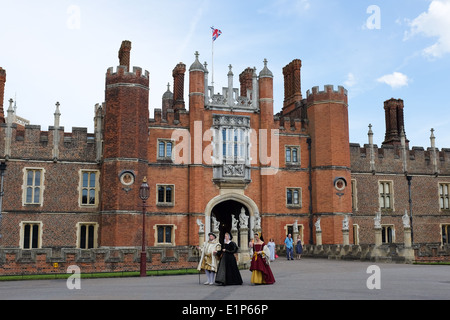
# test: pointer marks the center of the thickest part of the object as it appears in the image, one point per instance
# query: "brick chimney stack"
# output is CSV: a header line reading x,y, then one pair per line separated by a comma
x,y
246,81
395,123
292,85
2,93
124,54
178,86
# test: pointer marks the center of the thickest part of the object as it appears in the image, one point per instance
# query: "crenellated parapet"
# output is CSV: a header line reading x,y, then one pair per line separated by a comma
x,y
389,159
122,77
173,118
329,94
30,142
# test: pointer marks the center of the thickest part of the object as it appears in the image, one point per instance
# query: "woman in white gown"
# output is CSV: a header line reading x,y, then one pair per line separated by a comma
x,y
271,246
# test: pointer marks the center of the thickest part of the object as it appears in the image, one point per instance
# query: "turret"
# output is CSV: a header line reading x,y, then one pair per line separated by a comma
x,y
125,136
330,159
266,96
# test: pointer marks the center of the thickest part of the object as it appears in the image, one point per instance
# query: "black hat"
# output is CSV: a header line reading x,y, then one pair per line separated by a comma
x,y
212,234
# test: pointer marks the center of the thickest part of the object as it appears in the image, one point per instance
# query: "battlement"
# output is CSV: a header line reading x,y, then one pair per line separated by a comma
x,y
389,158
30,142
289,125
122,71
329,93
178,118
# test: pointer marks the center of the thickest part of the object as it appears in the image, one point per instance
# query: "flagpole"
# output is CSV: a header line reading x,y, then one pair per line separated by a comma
x,y
212,63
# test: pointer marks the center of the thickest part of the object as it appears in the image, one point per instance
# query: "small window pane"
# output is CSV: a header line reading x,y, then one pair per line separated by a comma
x,y
168,234
37,192
26,236
160,234
37,178
35,236
85,179
30,178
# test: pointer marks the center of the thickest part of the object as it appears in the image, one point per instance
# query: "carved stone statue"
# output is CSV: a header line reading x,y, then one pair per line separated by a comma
x,y
295,226
201,226
345,225
406,221
257,221
234,223
243,219
317,225
377,220
216,224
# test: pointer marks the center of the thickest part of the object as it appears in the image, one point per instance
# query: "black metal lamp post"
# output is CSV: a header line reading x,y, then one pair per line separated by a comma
x,y
2,174
144,193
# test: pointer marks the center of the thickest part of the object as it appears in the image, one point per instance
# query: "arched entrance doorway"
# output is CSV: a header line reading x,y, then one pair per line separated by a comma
x,y
239,200
224,213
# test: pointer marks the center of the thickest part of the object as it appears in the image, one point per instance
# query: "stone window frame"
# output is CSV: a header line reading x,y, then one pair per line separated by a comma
x,y
165,156
79,235
165,203
292,189
391,195
354,189
80,188
291,148
447,234
41,187
442,197
22,226
172,235
384,228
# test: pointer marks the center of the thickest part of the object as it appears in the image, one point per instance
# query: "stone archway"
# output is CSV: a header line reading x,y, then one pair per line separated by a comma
x,y
248,203
225,207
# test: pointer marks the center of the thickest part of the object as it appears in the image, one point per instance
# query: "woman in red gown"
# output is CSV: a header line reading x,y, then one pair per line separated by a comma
x,y
261,272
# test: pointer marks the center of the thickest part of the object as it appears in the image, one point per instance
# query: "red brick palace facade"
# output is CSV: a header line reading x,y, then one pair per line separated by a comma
x,y
214,162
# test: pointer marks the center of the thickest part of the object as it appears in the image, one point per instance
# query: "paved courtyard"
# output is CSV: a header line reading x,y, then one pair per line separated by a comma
x,y
299,279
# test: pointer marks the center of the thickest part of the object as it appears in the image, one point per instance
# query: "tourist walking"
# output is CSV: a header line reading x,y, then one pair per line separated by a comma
x,y
289,243
208,260
228,271
260,264
299,247
271,246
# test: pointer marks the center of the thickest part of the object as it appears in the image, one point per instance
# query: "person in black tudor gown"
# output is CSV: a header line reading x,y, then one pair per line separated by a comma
x,y
228,272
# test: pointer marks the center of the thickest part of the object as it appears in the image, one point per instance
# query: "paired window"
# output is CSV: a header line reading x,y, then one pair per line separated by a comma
x,y
385,194
164,234
165,148
444,196
89,190
87,235
292,155
33,186
293,197
387,234
166,195
31,235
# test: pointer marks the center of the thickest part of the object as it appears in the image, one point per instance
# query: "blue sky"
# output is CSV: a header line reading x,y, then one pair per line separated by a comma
x,y
60,50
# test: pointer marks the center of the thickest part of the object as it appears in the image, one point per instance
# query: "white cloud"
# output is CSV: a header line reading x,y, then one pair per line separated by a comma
x,y
395,80
351,80
434,23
